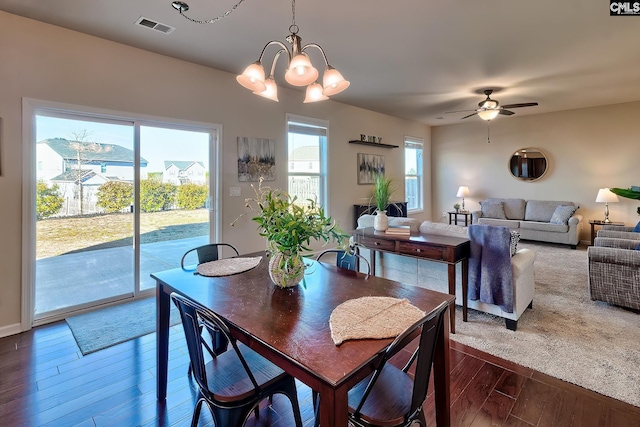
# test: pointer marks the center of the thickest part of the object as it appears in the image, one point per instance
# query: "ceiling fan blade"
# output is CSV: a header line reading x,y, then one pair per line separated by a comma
x,y
470,115
526,104
458,111
506,112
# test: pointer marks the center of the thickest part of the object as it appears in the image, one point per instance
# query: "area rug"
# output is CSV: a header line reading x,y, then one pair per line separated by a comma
x,y
112,325
565,335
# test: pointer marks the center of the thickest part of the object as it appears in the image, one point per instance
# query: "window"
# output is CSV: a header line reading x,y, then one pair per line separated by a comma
x,y
413,180
307,141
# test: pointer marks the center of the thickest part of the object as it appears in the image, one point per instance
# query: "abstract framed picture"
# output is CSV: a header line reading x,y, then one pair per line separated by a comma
x,y
369,165
256,159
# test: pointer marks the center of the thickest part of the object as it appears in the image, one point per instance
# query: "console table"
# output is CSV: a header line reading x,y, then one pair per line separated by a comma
x,y
445,249
453,217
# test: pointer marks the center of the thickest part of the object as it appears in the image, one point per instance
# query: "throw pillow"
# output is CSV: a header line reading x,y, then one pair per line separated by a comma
x,y
636,229
492,209
513,244
562,214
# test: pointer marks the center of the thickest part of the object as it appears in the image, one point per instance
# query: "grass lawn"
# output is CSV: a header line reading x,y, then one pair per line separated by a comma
x,y
57,236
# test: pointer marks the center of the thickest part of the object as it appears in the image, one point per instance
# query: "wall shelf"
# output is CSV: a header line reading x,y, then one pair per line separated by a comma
x,y
373,144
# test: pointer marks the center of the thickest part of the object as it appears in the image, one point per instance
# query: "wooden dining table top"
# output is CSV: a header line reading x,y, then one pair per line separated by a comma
x,y
293,323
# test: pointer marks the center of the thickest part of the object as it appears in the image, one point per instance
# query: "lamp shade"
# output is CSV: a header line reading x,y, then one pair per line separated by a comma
x,y
253,77
314,93
271,92
333,82
301,72
606,196
463,191
489,114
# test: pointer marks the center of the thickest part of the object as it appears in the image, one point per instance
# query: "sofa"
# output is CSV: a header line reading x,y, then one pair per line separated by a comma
x,y
540,220
614,270
435,277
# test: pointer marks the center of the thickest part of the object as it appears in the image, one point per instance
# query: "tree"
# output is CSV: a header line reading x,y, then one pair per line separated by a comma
x,y
113,196
192,196
156,196
48,200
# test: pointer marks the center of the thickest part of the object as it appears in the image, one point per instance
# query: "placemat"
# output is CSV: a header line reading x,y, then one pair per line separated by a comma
x,y
228,266
372,318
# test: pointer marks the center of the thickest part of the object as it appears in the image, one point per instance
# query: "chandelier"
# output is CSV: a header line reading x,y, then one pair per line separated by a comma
x,y
300,71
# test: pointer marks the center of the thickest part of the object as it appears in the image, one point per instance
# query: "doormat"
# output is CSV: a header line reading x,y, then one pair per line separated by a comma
x,y
113,325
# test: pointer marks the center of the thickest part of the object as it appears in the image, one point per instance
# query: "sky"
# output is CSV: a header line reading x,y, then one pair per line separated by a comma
x,y
157,144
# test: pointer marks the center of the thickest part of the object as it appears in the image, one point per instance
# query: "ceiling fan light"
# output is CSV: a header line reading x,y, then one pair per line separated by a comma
x,y
488,114
301,72
314,93
253,77
271,91
333,82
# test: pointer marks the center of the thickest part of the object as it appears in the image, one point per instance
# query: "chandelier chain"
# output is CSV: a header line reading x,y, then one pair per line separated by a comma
x,y
212,20
293,28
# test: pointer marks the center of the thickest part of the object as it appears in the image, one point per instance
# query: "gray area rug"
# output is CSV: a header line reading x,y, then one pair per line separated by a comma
x,y
565,335
112,325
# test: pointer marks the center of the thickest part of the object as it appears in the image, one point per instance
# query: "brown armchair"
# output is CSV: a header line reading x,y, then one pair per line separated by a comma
x,y
614,271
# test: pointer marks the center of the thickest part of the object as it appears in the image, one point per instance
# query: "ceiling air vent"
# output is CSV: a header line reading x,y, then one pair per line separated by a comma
x,y
146,22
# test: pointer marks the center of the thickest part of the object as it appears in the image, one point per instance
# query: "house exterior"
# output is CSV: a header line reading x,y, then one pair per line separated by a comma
x,y
183,172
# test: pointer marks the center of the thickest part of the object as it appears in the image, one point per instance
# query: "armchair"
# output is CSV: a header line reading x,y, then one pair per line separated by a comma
x,y
614,271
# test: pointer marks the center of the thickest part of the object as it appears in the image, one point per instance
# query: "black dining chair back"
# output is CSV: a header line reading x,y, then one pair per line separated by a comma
x,y
208,252
390,396
347,259
233,383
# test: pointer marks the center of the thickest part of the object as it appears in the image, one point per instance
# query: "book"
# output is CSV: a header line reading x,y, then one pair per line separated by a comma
x,y
399,230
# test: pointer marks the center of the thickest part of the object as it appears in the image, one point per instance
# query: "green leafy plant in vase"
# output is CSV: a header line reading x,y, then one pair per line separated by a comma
x,y
456,207
381,198
289,226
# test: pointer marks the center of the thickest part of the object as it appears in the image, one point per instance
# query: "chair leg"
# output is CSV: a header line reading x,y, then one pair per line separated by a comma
x,y
315,398
290,391
512,325
196,413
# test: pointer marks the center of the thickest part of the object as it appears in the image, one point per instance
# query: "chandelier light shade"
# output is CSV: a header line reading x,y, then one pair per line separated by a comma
x,y
606,196
463,191
300,71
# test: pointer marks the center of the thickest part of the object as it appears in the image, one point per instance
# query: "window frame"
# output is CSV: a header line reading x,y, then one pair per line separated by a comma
x,y
417,144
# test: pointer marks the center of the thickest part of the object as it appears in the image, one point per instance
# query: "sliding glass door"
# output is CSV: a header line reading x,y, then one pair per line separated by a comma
x,y
115,200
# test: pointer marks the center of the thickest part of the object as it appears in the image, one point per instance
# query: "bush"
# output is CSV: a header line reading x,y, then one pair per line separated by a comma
x,y
156,196
114,196
192,196
48,200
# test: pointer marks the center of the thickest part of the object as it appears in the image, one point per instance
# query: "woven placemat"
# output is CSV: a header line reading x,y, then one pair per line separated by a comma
x,y
228,266
372,318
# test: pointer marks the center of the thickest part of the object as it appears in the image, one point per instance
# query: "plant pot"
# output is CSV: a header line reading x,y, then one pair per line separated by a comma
x,y
285,271
381,221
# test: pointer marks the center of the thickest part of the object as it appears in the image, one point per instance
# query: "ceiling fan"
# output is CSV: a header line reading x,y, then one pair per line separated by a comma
x,y
489,108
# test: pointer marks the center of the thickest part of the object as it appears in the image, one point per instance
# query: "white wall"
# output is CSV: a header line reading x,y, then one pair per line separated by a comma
x,y
587,149
50,63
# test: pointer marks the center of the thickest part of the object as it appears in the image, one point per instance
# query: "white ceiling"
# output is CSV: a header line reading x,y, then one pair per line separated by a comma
x,y
407,58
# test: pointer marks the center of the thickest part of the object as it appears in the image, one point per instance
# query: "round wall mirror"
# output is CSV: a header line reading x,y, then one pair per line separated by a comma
x,y
528,164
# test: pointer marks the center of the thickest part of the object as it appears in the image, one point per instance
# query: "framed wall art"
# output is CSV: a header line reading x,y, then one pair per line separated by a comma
x,y
256,158
369,165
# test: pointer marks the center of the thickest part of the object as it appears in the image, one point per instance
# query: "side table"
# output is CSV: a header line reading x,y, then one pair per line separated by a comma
x,y
453,217
595,222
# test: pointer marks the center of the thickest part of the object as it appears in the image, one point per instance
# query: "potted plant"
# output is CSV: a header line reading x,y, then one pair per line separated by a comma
x,y
289,227
381,197
456,207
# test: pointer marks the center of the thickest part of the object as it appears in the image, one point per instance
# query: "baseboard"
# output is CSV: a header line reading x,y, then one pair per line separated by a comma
x,y
8,330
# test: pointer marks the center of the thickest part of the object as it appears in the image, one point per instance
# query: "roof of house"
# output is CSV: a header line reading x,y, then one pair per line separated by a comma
x,y
181,165
91,151
72,175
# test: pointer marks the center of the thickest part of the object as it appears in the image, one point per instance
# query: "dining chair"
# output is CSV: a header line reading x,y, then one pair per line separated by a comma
x,y
233,383
350,259
390,396
207,253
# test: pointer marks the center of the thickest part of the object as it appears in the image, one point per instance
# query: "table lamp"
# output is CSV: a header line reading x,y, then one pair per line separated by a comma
x,y
606,196
463,191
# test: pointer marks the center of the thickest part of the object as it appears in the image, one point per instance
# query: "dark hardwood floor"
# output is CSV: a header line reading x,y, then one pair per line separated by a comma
x,y
45,381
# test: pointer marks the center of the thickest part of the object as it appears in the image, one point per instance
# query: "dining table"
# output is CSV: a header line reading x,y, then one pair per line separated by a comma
x,y
290,326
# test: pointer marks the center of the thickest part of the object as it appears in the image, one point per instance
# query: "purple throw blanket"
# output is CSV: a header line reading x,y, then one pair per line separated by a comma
x,y
490,266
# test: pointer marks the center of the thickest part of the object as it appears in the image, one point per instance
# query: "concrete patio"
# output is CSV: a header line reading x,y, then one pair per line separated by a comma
x,y
81,277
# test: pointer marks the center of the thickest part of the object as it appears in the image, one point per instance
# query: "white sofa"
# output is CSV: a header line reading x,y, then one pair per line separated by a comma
x,y
521,264
531,218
